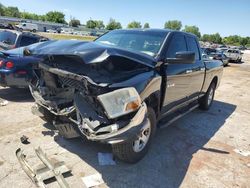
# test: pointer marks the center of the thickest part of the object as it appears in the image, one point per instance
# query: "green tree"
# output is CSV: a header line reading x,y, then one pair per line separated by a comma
x,y
42,17
146,25
215,38
173,24
113,24
205,38
26,15
99,24
12,12
243,41
91,24
134,24
192,29
55,16
95,24
1,9
248,41
74,22
232,40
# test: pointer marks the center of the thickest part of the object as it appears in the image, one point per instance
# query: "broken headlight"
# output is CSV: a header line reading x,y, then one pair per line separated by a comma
x,y
120,102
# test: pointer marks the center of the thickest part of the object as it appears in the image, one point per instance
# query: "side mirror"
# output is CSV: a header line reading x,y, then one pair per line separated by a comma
x,y
26,52
182,58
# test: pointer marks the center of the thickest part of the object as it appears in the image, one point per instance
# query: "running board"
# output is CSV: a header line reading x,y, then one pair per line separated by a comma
x,y
164,124
47,171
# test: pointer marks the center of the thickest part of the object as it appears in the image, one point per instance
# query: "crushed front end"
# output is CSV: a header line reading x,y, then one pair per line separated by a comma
x,y
53,101
95,110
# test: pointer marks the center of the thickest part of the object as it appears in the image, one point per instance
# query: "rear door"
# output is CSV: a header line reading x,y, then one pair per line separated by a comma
x,y
197,71
178,78
230,54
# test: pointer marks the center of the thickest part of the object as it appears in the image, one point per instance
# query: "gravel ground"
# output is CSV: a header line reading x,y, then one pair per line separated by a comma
x,y
203,149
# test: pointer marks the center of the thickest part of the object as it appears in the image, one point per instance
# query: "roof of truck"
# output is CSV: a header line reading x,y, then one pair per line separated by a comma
x,y
152,30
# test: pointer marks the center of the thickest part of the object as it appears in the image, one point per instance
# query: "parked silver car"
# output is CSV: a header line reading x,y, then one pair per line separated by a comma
x,y
234,55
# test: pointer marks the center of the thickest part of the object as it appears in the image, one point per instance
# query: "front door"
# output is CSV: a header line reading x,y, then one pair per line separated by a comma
x,y
178,77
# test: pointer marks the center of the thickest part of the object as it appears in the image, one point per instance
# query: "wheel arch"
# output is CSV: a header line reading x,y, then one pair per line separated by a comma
x,y
153,101
215,80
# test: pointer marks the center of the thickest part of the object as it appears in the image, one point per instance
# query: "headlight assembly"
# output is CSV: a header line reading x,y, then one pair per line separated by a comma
x,y
120,102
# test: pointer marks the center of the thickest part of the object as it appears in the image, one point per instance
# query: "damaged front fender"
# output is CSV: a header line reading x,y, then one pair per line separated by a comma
x,y
98,128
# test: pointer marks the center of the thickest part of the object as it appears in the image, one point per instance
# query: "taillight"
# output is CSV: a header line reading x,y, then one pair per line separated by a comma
x,y
9,65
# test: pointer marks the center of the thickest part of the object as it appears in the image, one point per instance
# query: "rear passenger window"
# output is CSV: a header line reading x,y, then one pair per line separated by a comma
x,y
193,47
177,44
26,40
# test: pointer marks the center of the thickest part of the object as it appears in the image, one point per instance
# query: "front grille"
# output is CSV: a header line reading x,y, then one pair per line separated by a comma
x,y
71,83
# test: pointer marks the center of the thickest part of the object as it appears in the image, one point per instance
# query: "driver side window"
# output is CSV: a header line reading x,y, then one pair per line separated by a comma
x,y
177,44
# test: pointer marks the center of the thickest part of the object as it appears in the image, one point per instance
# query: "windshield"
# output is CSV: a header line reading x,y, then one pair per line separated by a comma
x,y
8,37
141,41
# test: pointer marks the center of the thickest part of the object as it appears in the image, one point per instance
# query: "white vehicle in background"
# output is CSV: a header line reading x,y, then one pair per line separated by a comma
x,y
67,30
51,31
27,27
234,55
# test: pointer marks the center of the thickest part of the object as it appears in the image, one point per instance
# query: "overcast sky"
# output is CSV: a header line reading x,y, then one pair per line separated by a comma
x,y
228,17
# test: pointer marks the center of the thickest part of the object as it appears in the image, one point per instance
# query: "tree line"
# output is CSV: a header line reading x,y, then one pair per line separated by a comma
x,y
59,17
52,16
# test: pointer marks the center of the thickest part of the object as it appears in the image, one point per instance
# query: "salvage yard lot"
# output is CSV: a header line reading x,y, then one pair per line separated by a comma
x,y
203,149
58,36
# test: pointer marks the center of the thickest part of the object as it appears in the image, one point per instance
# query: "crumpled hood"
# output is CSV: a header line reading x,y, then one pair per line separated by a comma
x,y
90,52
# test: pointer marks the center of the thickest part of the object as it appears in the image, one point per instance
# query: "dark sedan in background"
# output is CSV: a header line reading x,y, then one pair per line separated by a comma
x,y
10,39
220,56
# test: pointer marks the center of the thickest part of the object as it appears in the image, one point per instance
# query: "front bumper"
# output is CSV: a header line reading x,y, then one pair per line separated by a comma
x,y
127,132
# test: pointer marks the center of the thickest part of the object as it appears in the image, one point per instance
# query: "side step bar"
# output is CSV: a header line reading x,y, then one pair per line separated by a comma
x,y
164,124
58,175
48,171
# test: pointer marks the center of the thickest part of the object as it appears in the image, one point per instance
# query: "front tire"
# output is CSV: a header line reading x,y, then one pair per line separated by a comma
x,y
132,151
207,100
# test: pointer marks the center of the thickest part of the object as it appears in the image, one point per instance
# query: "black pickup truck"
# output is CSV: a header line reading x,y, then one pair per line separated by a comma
x,y
117,88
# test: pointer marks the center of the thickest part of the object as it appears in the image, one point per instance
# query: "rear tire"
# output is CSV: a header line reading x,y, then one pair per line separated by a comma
x,y
207,100
128,151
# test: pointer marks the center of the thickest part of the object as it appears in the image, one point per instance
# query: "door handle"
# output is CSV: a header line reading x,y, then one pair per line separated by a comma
x,y
188,71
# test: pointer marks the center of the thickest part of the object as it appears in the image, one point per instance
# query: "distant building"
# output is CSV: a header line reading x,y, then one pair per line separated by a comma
x,y
42,26
64,28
